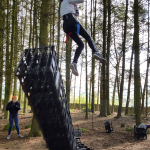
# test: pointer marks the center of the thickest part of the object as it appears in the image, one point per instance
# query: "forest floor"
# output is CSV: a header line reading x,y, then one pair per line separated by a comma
x,y
96,138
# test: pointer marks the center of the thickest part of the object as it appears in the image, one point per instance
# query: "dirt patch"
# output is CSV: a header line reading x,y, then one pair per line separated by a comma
x,y
96,138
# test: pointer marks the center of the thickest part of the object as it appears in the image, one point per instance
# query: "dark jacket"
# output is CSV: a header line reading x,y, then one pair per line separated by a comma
x,y
13,107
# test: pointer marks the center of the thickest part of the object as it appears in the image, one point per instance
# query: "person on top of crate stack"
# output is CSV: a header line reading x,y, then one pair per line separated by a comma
x,y
13,108
72,28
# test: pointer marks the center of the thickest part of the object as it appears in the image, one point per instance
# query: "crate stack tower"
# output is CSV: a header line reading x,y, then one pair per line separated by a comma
x,y
41,81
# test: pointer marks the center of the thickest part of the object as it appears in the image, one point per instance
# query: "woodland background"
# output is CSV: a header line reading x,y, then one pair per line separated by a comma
x,y
120,29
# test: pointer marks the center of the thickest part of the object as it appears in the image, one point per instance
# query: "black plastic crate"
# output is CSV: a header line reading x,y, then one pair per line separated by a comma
x,y
140,132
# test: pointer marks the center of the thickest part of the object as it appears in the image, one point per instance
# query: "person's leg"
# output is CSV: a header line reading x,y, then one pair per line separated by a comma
x,y
78,51
89,39
17,125
10,124
80,47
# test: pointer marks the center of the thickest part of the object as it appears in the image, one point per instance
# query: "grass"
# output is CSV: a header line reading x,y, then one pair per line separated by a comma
x,y
6,127
71,110
84,130
129,129
27,126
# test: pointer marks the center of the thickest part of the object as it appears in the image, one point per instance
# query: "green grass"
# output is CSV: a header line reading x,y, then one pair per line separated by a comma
x,y
129,129
6,127
27,126
71,110
84,130
22,106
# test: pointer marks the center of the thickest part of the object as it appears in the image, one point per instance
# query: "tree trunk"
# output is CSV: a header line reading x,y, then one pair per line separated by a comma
x,y
58,25
80,84
30,23
86,114
2,18
68,61
9,57
108,53
147,64
43,42
98,87
137,97
90,92
113,98
129,84
103,111
19,95
74,93
34,132
15,50
101,89
53,22
25,105
123,64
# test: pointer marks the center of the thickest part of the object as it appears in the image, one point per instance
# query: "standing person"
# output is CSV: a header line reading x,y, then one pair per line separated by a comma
x,y
13,108
72,28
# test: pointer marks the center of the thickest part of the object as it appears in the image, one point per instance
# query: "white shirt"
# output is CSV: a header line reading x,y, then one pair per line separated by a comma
x,y
67,6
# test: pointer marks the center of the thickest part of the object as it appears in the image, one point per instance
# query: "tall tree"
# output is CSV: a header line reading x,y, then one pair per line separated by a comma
x,y
15,55
43,42
103,110
25,105
137,85
58,34
86,82
108,53
123,63
68,61
93,61
9,57
129,83
1,47
147,64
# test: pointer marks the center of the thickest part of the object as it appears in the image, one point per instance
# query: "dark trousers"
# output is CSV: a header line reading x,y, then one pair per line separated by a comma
x,y
16,119
69,26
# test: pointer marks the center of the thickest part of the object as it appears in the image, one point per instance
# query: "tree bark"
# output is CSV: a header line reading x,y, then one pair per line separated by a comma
x,y
19,95
123,64
68,61
2,18
147,65
74,93
137,97
80,85
93,60
129,83
43,42
58,25
9,57
86,114
103,111
108,53
25,105
98,87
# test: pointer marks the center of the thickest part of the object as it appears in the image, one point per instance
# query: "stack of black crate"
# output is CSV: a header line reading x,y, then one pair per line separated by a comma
x,y
39,75
40,78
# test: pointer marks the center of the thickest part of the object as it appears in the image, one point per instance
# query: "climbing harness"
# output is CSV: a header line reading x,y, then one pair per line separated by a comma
x,y
77,28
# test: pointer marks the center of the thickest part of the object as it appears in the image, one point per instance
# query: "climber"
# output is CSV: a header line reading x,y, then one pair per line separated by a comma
x,y
72,28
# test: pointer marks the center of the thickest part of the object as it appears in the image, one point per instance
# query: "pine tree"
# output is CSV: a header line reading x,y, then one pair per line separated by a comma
x,y
137,85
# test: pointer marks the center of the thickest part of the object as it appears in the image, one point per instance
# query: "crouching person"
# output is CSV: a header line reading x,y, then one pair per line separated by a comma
x,y
13,108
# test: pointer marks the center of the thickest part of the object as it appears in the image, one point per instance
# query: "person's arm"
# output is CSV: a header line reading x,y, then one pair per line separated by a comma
x,y
76,1
9,105
18,106
76,10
